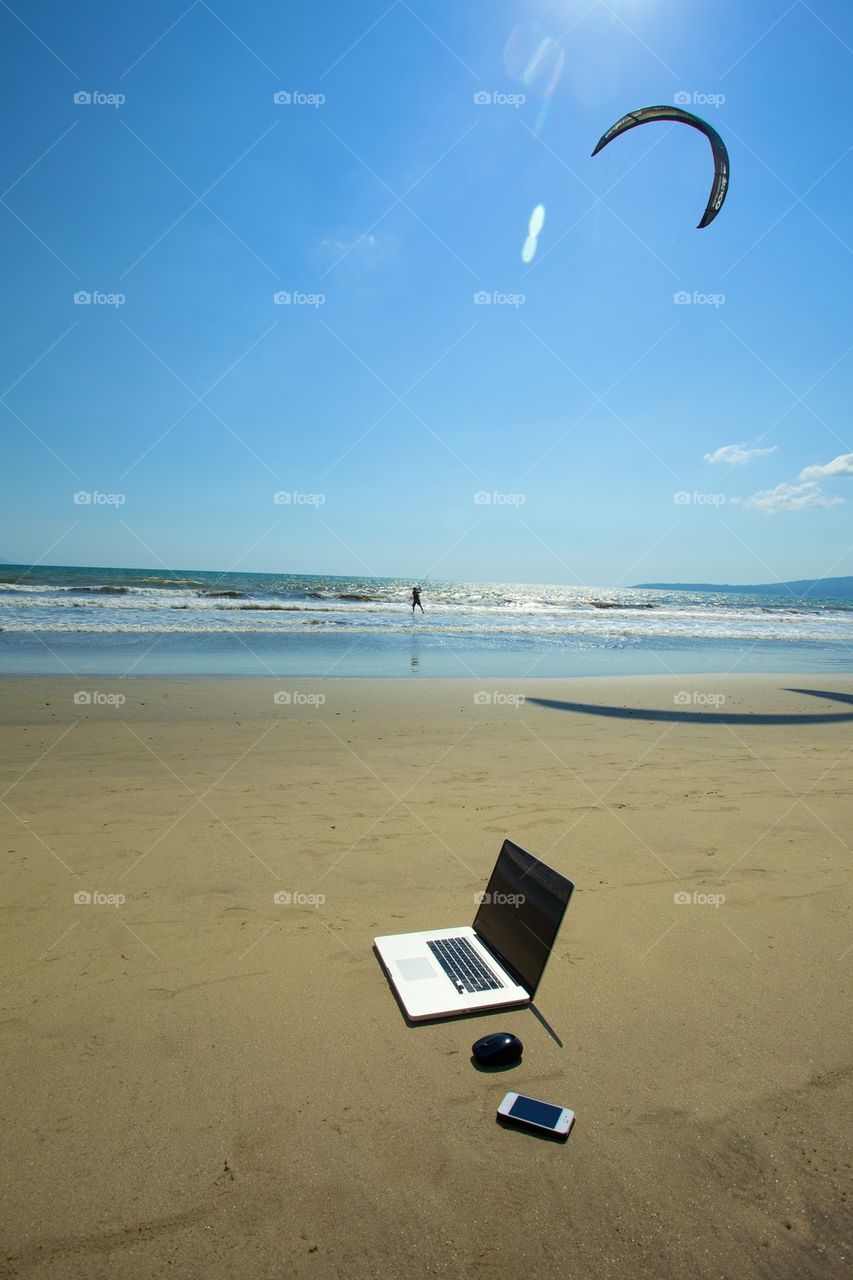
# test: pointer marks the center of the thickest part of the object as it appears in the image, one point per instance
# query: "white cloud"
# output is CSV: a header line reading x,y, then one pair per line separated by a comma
x,y
737,453
791,497
840,466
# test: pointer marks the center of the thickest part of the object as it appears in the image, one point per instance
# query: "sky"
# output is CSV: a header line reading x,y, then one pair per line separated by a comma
x,y
265,307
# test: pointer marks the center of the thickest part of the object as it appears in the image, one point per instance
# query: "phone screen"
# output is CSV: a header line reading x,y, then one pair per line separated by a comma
x,y
535,1112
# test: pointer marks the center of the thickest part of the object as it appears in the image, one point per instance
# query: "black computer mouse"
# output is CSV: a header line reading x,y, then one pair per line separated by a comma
x,y
498,1049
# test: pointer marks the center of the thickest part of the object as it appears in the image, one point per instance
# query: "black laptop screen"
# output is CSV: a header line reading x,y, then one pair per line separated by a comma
x,y
521,911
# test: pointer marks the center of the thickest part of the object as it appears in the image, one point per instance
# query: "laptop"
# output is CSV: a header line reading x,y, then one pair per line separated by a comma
x,y
497,961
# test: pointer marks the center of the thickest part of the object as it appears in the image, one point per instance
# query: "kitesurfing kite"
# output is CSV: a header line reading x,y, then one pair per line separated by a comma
x,y
644,115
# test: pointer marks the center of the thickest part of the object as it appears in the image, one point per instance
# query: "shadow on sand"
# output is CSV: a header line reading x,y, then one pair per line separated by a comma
x,y
679,716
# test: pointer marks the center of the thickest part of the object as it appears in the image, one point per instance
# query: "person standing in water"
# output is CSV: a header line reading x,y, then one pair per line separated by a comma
x,y
416,600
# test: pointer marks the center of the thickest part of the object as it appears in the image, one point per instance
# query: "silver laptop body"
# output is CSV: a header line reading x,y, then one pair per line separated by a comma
x,y
497,961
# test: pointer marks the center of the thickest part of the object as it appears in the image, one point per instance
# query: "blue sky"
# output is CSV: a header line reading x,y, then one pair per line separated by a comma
x,y
382,198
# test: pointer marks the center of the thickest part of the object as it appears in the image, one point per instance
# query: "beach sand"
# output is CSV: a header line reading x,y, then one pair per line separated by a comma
x,y
204,1083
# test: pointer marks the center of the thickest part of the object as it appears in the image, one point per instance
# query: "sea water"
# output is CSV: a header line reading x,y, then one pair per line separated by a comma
x,y
59,620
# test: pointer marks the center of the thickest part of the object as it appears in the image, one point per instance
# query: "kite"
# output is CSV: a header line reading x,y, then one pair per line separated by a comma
x,y
644,115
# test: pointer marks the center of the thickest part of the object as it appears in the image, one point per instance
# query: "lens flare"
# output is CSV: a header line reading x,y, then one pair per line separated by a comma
x,y
534,58
534,227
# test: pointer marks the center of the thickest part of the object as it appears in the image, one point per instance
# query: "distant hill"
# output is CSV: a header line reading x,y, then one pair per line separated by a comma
x,y
816,588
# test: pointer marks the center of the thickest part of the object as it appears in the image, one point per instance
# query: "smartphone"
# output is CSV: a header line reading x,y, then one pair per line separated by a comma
x,y
541,1117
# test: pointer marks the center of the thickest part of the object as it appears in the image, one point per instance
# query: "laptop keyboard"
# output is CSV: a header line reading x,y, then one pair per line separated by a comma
x,y
463,965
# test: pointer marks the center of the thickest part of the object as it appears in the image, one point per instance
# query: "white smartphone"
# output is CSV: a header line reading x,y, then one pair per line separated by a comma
x,y
530,1113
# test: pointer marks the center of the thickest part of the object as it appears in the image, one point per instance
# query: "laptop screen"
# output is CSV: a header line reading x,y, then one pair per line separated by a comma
x,y
521,911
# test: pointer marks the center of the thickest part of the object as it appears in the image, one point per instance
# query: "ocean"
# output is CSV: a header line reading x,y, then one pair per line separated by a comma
x,y
64,620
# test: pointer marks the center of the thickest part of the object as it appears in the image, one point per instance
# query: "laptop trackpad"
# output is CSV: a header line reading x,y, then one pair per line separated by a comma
x,y
416,968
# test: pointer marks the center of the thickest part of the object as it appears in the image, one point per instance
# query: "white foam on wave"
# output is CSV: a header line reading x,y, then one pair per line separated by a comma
x,y
229,621
571,615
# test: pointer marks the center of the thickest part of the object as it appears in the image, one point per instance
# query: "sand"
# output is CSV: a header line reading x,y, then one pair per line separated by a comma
x,y
202,1082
